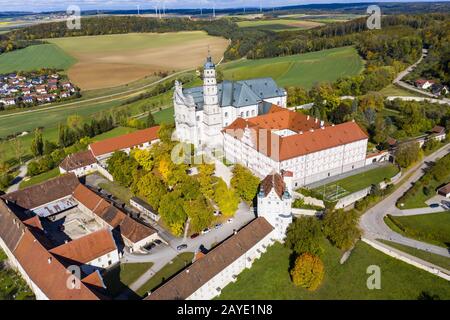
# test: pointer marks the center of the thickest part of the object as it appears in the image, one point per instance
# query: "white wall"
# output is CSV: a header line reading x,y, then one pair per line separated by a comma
x,y
224,277
103,262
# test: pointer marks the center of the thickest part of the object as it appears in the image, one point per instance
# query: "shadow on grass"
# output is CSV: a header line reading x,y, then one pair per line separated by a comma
x,y
116,288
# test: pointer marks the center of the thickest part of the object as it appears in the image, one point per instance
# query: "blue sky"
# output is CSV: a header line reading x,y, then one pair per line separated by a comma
x,y
48,5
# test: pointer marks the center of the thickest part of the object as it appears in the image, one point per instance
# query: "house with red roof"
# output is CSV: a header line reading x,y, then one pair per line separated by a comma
x,y
286,140
141,139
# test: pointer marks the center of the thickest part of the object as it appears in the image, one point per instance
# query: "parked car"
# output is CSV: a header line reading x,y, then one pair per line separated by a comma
x,y
205,231
157,242
182,247
195,235
217,226
149,246
217,213
230,220
435,205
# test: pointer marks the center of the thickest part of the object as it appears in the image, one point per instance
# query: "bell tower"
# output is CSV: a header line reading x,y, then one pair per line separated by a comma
x,y
212,116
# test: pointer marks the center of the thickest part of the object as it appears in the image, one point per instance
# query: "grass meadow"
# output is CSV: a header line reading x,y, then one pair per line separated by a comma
x,y
299,70
34,58
269,278
433,228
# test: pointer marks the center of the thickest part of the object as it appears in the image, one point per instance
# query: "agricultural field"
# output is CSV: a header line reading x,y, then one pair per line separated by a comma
x,y
34,58
433,228
299,70
269,278
112,60
279,24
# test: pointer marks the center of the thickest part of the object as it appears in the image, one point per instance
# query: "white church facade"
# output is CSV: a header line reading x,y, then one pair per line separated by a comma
x,y
202,112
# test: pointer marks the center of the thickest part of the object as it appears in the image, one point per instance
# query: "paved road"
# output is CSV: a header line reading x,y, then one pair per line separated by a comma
x,y
372,221
163,254
18,179
417,211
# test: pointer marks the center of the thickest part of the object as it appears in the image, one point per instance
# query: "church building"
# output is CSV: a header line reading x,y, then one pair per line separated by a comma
x,y
202,112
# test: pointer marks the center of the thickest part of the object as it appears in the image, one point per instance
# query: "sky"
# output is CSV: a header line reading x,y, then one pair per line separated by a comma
x,y
52,5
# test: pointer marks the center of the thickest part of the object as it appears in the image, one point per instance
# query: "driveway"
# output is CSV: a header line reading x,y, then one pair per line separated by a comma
x,y
163,254
18,179
372,222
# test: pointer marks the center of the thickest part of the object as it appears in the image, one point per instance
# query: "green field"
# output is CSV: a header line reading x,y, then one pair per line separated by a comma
x,y
179,263
35,58
362,180
40,178
117,190
303,70
269,278
433,228
436,259
120,277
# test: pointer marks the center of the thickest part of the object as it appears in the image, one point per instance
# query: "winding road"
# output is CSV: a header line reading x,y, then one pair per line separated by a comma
x,y
372,222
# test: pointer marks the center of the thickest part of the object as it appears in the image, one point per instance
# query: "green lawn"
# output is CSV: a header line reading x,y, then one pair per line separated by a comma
x,y
166,116
34,58
178,264
393,90
269,278
363,180
120,277
118,191
299,70
119,131
433,228
12,286
436,259
40,178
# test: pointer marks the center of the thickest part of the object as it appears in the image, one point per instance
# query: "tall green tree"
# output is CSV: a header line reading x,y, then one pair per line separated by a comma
x,y
172,211
37,145
341,228
226,198
304,235
245,183
200,213
152,188
150,122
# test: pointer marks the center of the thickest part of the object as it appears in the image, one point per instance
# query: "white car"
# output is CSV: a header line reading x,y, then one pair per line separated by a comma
x,y
205,231
230,220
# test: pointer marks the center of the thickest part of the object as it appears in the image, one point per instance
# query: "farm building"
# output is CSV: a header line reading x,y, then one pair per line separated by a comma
x,y
445,191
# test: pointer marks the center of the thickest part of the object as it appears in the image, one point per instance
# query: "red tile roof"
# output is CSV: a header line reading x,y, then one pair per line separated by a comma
x,y
87,248
445,190
125,141
42,267
129,228
78,160
201,271
38,195
273,181
310,137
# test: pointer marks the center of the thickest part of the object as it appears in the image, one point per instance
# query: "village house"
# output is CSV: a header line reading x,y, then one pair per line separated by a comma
x,y
207,276
142,139
145,208
424,84
445,191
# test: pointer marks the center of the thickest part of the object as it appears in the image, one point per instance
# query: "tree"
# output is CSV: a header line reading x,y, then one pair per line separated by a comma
x,y
150,120
226,198
49,147
200,213
75,121
165,133
407,153
121,166
144,158
305,235
245,183
37,145
205,178
151,188
341,228
172,212
308,272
